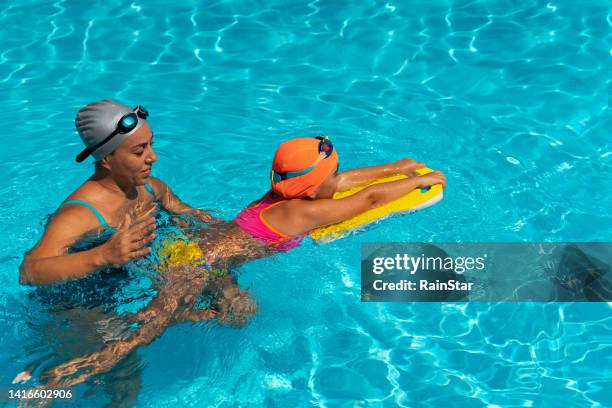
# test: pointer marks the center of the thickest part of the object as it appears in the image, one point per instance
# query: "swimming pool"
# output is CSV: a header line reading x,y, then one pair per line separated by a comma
x,y
511,101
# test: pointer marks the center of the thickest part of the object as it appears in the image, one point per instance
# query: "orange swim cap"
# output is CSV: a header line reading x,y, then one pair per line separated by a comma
x,y
297,155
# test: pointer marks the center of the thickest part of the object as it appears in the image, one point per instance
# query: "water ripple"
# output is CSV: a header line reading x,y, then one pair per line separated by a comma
x,y
510,99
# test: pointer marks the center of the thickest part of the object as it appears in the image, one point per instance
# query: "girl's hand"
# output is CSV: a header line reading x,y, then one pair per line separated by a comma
x,y
429,179
408,166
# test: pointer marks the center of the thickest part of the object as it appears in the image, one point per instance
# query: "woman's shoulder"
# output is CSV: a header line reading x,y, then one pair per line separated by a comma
x,y
157,185
88,191
84,207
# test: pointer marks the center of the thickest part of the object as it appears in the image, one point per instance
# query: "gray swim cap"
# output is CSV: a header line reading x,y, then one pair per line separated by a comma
x,y
97,121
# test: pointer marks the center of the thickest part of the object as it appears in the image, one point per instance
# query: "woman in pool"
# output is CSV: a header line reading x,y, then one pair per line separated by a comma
x,y
116,204
105,223
303,181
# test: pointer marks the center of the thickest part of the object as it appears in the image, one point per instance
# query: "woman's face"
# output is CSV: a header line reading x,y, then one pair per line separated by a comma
x,y
130,163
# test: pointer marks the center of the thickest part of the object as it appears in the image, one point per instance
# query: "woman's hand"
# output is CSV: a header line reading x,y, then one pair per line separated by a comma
x,y
429,179
205,216
408,166
129,243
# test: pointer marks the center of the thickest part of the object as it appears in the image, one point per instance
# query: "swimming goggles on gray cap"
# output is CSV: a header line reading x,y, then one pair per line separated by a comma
x,y
95,121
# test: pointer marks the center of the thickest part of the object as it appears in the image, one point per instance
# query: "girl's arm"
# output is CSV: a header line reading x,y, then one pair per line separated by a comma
x,y
302,216
352,178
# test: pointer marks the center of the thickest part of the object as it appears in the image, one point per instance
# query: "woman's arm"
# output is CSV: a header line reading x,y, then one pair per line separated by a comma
x,y
50,261
174,205
45,270
352,178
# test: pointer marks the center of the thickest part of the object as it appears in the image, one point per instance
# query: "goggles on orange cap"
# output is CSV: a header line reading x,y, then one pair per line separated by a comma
x,y
325,146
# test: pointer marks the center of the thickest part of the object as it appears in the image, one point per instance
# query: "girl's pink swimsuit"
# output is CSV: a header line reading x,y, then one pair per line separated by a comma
x,y
251,221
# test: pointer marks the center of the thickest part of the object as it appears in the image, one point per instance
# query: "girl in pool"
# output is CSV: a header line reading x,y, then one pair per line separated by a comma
x,y
303,181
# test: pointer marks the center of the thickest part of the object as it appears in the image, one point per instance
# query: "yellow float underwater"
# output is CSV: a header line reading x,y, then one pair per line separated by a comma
x,y
179,250
413,201
182,250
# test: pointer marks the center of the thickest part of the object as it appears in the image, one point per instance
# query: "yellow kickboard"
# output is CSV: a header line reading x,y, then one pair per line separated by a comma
x,y
179,250
413,201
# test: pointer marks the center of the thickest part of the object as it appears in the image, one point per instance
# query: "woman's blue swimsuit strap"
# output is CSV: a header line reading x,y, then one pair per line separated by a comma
x,y
99,216
150,190
93,209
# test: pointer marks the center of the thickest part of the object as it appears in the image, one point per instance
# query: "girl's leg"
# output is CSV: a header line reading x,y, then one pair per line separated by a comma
x,y
179,293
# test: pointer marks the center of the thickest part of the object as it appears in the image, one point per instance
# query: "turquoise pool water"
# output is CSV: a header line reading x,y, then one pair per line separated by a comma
x,y
510,99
